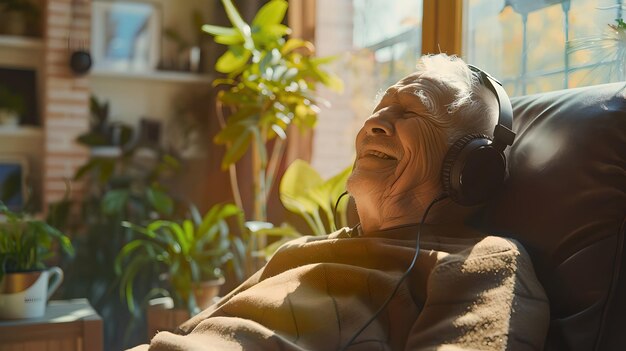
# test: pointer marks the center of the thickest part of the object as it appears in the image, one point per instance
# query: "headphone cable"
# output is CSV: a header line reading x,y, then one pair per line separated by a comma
x,y
336,207
403,277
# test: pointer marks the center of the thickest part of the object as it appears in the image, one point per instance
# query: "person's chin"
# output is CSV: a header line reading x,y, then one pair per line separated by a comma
x,y
375,164
368,179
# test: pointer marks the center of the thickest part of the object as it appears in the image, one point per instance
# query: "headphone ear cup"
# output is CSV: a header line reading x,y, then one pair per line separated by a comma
x,y
473,170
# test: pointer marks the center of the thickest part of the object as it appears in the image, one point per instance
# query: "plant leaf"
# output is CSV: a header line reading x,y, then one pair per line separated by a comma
x,y
114,201
271,13
160,201
232,60
294,187
219,30
239,23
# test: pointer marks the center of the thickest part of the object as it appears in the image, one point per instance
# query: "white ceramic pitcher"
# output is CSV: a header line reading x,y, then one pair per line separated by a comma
x,y
25,294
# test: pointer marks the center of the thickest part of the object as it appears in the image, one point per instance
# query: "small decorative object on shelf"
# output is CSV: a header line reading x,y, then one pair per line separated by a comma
x,y
11,108
189,54
80,59
18,97
20,18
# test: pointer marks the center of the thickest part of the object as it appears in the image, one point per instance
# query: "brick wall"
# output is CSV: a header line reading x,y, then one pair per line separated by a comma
x,y
66,96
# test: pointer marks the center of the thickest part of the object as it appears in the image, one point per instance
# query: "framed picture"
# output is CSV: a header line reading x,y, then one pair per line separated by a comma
x,y
126,35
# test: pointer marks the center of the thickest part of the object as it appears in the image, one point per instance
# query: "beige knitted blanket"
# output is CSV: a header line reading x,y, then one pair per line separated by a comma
x,y
316,292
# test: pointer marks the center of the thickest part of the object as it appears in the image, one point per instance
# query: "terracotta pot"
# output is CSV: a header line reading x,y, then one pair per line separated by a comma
x,y
207,292
162,316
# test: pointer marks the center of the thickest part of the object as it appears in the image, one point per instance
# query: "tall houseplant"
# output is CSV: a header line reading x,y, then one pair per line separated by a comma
x,y
270,84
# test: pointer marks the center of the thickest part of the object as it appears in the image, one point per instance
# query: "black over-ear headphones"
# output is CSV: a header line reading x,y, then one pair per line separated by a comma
x,y
475,166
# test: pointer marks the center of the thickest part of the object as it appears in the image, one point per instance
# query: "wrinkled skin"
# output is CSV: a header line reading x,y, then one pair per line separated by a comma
x,y
399,152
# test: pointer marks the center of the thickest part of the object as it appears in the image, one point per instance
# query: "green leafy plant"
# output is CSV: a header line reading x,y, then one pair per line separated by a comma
x,y
131,186
187,252
10,101
101,131
25,244
304,192
270,85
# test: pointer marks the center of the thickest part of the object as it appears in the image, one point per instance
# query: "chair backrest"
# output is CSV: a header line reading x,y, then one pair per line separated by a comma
x,y
565,201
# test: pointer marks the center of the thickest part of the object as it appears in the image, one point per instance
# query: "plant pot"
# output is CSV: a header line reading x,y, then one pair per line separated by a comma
x,y
9,119
206,293
25,294
162,316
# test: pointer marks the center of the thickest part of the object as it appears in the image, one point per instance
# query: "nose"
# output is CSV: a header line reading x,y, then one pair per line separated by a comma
x,y
378,125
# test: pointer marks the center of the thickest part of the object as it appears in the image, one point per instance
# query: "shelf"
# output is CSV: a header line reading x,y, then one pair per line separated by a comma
x,y
21,132
21,42
161,76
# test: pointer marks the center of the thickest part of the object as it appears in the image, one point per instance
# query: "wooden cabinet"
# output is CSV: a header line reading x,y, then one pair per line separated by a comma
x,y
70,325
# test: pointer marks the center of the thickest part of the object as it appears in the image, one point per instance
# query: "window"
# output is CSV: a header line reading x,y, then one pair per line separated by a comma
x,y
541,45
377,42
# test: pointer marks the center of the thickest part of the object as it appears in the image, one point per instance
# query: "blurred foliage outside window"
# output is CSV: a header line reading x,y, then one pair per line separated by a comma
x,y
565,44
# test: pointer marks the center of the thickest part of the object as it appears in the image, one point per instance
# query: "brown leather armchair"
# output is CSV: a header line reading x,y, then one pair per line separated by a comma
x,y
565,201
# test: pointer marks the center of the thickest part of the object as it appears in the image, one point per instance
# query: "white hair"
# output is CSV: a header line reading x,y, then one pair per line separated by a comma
x,y
472,108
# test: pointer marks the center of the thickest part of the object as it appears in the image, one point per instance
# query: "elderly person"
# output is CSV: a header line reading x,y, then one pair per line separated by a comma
x,y
360,288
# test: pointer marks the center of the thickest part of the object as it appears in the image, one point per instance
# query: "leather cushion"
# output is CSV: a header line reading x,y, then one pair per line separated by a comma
x,y
565,201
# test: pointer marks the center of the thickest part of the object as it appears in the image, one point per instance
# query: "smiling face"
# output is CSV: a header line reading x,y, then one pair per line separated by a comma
x,y
400,149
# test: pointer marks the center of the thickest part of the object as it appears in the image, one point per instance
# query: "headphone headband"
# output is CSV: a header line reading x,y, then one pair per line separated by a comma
x,y
503,134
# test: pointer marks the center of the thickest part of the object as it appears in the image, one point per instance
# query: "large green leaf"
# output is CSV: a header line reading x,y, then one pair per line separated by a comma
x,y
294,187
235,39
292,44
239,23
218,30
232,60
217,213
271,13
114,201
327,193
160,201
237,148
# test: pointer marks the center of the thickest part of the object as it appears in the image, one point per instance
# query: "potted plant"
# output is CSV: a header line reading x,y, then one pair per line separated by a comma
x,y
11,107
188,52
102,134
190,255
270,84
131,186
25,245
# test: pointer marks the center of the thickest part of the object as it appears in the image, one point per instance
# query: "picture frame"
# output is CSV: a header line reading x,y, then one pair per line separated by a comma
x,y
126,35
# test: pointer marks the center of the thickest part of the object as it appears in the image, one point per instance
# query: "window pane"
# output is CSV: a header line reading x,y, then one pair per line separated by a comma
x,y
388,33
377,42
542,45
